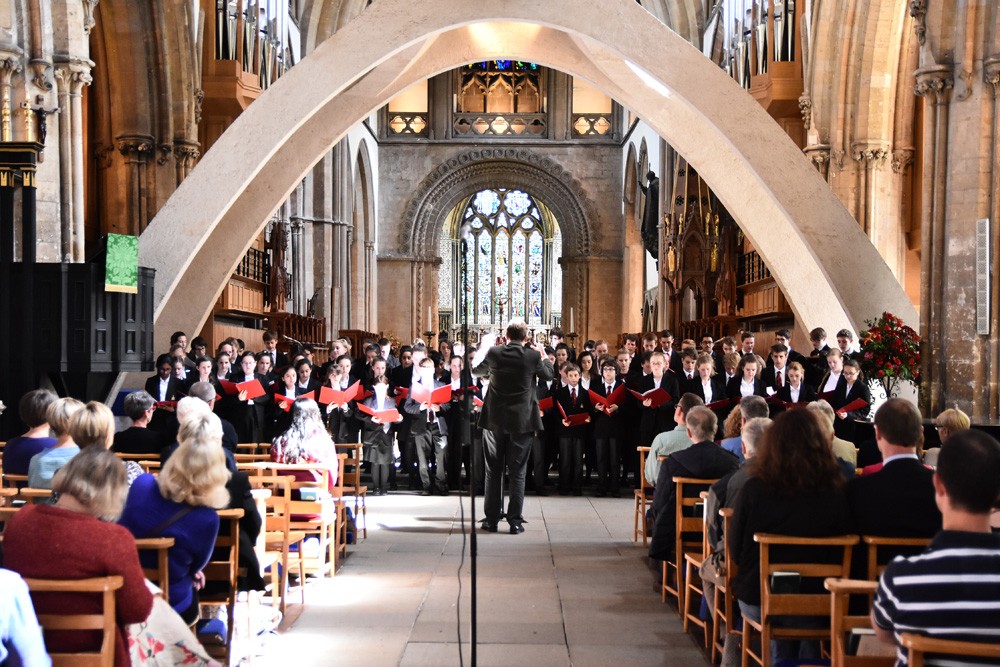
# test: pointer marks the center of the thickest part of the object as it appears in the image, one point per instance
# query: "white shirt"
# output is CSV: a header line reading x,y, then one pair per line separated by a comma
x,y
585,383
794,391
831,382
164,384
746,388
706,388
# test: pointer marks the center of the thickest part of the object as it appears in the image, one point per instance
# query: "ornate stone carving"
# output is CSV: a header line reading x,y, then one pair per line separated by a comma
x,y
165,151
934,81
965,76
820,156
805,107
991,72
102,154
40,73
481,168
199,99
88,15
186,151
134,146
872,154
902,158
918,10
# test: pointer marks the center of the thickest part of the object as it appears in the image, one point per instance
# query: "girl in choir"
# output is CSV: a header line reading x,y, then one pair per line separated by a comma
x,y
264,369
833,379
378,435
747,381
588,374
853,388
588,377
708,385
247,414
283,392
796,390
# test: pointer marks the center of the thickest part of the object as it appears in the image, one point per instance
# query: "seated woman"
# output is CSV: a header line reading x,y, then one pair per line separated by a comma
x,y
44,465
18,452
306,440
75,539
950,421
794,488
21,640
181,503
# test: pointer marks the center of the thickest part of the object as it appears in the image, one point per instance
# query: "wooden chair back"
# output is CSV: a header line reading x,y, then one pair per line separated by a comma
x,y
643,498
226,571
103,622
34,496
883,549
351,472
159,575
151,466
836,551
251,458
138,458
842,623
7,496
725,600
10,481
689,525
919,646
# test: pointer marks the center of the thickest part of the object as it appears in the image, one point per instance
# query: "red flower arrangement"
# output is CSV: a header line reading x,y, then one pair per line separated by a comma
x,y
890,352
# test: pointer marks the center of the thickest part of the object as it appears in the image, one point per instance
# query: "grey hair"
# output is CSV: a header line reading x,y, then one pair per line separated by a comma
x,y
753,430
137,403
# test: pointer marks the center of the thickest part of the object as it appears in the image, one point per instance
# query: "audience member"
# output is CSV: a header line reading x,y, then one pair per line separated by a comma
x,y
306,441
749,407
18,452
76,425
675,440
138,439
842,449
950,591
950,421
21,641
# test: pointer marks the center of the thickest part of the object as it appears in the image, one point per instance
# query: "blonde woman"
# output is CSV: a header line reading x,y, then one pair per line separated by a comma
x,y
44,465
181,504
74,539
947,423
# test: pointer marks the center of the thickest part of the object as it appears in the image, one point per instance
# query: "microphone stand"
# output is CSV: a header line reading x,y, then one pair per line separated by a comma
x,y
467,400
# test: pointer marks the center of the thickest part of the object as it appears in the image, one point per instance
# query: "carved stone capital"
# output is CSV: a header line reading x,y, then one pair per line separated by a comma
x,y
186,151
9,66
871,154
819,154
918,10
199,99
165,152
935,82
102,155
902,158
40,73
72,77
134,146
88,15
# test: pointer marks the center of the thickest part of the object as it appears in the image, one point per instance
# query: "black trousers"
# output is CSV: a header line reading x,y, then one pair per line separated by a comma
x,y
607,464
571,465
505,451
430,444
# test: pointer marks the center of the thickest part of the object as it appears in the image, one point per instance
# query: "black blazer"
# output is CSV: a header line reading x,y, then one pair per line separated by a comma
x,y
897,501
419,424
718,388
767,376
605,426
582,404
733,387
510,402
173,388
138,440
806,393
656,420
845,428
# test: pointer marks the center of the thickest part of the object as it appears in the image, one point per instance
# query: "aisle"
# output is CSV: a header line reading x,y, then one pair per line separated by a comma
x,y
572,590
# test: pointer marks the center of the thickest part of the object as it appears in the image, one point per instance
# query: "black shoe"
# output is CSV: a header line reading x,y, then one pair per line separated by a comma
x,y
488,527
578,492
425,492
441,491
601,493
515,529
616,494
541,492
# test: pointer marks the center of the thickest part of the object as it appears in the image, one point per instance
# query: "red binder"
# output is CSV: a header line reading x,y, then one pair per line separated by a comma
x,y
546,404
422,394
856,404
283,402
658,396
229,387
579,419
172,405
330,395
384,416
253,388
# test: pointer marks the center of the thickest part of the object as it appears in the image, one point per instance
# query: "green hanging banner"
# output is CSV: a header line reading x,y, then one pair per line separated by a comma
x,y
121,272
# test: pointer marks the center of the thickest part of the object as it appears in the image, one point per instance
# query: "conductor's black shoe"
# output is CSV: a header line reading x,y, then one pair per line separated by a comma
x,y
516,529
488,527
425,492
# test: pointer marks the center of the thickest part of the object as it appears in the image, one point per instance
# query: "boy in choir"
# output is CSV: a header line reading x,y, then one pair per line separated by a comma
x,y
629,416
278,359
622,361
600,348
730,366
429,431
784,337
458,418
688,378
656,419
728,345
574,401
378,435
774,376
385,347
631,345
817,357
199,348
607,429
555,337
665,339
746,343
845,341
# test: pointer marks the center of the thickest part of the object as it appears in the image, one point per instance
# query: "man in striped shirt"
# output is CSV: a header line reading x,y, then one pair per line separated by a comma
x,y
952,590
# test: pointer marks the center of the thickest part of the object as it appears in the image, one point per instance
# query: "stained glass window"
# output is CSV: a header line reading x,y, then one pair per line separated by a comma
x,y
506,258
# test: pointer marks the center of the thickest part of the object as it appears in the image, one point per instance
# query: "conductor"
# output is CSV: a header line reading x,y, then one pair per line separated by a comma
x,y
510,412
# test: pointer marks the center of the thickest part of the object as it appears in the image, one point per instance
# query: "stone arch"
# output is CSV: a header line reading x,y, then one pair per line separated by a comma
x,y
818,257
633,267
480,168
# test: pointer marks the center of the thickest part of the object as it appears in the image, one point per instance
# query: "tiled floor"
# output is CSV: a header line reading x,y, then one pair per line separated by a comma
x,y
572,590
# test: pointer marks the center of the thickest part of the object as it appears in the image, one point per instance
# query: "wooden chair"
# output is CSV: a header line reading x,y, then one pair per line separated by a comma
x,y
795,604
103,622
6,513
225,571
151,466
10,481
159,575
7,496
687,536
919,646
842,623
252,458
279,538
352,483
643,499
138,458
877,547
34,496
692,580
723,600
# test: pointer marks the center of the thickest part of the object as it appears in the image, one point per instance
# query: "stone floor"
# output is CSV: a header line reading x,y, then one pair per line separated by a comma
x,y
572,590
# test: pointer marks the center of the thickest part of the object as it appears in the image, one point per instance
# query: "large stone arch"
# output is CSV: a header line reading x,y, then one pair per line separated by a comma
x,y
480,168
825,265
363,255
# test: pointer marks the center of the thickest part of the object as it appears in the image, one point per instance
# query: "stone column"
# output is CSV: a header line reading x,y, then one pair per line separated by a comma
x,y
991,74
137,149
9,66
186,154
70,78
343,214
935,85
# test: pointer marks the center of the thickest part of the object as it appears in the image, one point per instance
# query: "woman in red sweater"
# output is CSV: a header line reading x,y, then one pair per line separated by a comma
x,y
77,539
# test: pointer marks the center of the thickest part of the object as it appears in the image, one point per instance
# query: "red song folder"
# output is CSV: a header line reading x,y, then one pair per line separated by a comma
x,y
401,394
253,388
229,387
283,402
546,404
384,416
310,395
330,395
856,404
721,405
171,405
658,396
422,394
578,419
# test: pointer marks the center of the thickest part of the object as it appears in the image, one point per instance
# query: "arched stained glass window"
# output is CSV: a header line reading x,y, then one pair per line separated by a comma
x,y
505,258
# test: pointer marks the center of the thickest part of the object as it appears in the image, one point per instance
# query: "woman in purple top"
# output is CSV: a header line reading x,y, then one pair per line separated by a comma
x,y
181,504
33,409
